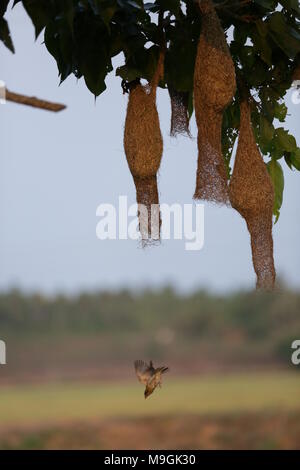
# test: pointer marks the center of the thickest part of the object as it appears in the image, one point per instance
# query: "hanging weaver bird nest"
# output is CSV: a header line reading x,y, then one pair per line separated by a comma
x,y
143,146
252,195
179,109
214,88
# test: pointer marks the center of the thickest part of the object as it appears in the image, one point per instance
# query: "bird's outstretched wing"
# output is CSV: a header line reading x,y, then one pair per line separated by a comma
x,y
143,371
162,370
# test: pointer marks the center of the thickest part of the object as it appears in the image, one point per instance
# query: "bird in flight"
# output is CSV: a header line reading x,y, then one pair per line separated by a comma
x,y
149,376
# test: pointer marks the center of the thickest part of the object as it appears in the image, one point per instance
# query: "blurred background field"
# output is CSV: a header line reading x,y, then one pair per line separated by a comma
x,y
69,381
228,411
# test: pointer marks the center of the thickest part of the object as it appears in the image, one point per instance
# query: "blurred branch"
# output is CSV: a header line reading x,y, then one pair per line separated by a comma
x,y
34,102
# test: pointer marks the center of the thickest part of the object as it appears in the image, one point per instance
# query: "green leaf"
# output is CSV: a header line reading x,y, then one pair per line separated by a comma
x,y
95,83
3,7
173,6
261,42
126,4
285,140
181,78
268,103
280,111
5,36
128,73
290,5
41,13
105,9
261,27
68,11
287,158
247,56
91,51
151,7
107,14
58,39
267,4
295,159
277,177
240,35
284,35
141,64
266,130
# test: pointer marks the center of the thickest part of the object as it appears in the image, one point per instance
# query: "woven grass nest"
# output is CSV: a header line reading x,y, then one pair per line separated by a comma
x,y
252,195
250,190
143,146
214,88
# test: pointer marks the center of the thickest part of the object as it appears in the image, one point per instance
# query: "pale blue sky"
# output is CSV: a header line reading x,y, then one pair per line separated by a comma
x,y
55,169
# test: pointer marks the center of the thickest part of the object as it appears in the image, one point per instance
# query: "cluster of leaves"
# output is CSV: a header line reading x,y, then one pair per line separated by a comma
x,y
84,35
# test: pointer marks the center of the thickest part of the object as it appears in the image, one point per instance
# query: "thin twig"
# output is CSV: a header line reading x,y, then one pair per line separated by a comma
x,y
34,102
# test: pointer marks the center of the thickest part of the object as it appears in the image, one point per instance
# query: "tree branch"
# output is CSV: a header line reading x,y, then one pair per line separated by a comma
x,y
34,102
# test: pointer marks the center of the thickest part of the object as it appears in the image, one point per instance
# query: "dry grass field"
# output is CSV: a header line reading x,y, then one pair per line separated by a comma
x,y
253,410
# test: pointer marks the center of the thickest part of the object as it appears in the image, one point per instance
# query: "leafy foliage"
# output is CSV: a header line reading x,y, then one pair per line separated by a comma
x,y
84,35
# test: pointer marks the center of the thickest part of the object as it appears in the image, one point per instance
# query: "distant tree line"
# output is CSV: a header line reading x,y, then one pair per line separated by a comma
x,y
246,323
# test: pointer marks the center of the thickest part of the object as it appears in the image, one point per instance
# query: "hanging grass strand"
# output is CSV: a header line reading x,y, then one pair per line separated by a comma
x,y
179,112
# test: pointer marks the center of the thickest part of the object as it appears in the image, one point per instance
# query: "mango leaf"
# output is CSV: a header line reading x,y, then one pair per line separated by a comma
x,y
267,4
178,77
240,35
126,4
268,103
68,12
59,42
141,64
3,7
284,35
295,159
5,36
41,13
128,73
287,158
247,56
291,5
107,15
285,140
173,6
277,177
105,9
280,111
261,42
266,131
151,7
261,27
